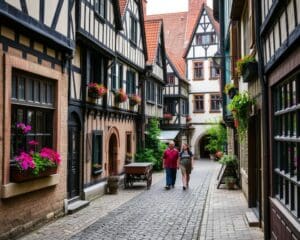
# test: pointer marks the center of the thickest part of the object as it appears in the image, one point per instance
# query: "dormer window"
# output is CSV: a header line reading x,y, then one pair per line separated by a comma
x,y
133,29
100,7
159,56
171,79
206,38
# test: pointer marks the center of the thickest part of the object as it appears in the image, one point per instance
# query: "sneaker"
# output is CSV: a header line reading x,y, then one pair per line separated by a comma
x,y
183,187
173,186
167,187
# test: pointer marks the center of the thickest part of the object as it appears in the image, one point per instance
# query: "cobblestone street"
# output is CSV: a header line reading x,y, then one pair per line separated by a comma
x,y
158,214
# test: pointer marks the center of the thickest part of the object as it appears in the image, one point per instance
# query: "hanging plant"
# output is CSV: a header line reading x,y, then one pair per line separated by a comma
x,y
240,107
188,118
247,67
168,116
135,100
121,96
96,90
230,90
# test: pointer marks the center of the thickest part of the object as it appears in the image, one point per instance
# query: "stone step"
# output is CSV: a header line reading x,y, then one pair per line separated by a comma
x,y
76,206
252,219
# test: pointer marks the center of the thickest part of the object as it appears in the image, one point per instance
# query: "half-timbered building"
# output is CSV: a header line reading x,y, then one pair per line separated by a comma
x,y
110,52
36,43
155,75
203,75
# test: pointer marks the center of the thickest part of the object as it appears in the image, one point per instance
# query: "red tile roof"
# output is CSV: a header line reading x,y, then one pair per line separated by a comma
x,y
123,4
152,28
174,29
178,31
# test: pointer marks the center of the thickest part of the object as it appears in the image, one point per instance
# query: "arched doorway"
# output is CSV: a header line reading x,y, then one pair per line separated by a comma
x,y
113,155
74,153
202,143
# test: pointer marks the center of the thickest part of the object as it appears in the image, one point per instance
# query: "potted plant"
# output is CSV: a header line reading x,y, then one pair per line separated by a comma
x,y
188,118
113,184
230,90
217,137
241,106
230,182
96,90
97,169
128,158
33,164
247,66
135,100
168,116
121,96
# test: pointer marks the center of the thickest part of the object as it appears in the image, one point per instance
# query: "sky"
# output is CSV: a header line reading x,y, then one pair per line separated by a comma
x,y
167,6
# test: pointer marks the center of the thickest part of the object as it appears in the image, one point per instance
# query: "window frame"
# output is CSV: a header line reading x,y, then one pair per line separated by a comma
x,y
170,75
216,69
97,134
130,82
97,10
197,68
133,29
195,110
212,96
212,38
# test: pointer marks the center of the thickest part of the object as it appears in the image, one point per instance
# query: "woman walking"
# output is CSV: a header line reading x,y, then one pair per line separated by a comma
x,y
186,164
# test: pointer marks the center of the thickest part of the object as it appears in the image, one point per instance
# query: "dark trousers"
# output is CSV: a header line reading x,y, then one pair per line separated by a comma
x,y
171,176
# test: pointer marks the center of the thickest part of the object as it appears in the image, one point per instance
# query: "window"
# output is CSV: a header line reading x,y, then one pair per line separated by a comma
x,y
198,70
160,95
214,71
32,104
198,103
97,167
133,29
205,38
184,107
96,67
159,56
215,103
130,82
170,106
100,8
128,143
117,76
286,144
171,79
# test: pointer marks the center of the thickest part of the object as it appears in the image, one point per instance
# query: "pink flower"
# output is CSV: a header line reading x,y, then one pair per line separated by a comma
x,y
33,143
51,155
25,161
24,128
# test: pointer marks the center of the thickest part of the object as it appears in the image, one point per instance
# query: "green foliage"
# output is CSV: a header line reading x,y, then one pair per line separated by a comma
x,y
41,164
228,160
242,63
240,108
228,87
217,138
154,147
230,180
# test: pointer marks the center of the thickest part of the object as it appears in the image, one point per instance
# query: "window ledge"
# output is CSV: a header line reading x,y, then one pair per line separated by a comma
x,y
14,189
151,102
214,111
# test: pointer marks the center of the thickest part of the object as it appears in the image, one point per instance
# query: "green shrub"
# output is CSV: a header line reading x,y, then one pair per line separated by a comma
x,y
229,160
217,138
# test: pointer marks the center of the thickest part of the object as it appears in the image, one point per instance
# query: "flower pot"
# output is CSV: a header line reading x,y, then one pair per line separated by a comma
x,y
250,72
219,154
93,95
17,175
230,185
112,184
236,123
232,92
212,156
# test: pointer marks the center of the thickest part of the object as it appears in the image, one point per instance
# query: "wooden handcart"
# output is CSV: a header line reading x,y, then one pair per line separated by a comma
x,y
136,172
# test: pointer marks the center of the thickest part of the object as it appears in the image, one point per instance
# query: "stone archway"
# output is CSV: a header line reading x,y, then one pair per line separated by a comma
x,y
203,141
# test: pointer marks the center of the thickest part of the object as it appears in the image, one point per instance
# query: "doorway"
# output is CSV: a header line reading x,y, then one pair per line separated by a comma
x,y
113,155
254,151
74,139
202,143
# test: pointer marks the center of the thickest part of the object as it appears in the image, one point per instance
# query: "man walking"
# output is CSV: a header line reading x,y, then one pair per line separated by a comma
x,y
171,164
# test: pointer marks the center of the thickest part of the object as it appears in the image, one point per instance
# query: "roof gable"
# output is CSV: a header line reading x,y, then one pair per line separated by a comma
x,y
153,33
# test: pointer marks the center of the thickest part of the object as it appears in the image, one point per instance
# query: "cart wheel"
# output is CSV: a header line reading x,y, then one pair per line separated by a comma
x,y
149,182
125,182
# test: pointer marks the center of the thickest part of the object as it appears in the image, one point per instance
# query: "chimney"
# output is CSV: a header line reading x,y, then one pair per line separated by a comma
x,y
144,2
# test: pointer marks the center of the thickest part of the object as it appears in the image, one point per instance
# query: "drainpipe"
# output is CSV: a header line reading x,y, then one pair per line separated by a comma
x,y
265,119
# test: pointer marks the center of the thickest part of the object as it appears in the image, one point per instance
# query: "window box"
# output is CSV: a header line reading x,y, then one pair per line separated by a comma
x,y
250,72
96,90
97,169
18,176
121,96
135,100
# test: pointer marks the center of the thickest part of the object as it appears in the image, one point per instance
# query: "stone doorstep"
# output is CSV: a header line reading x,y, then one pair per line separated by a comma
x,y
76,206
252,219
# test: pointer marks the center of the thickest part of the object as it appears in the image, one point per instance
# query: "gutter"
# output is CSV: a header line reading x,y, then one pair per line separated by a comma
x,y
265,125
